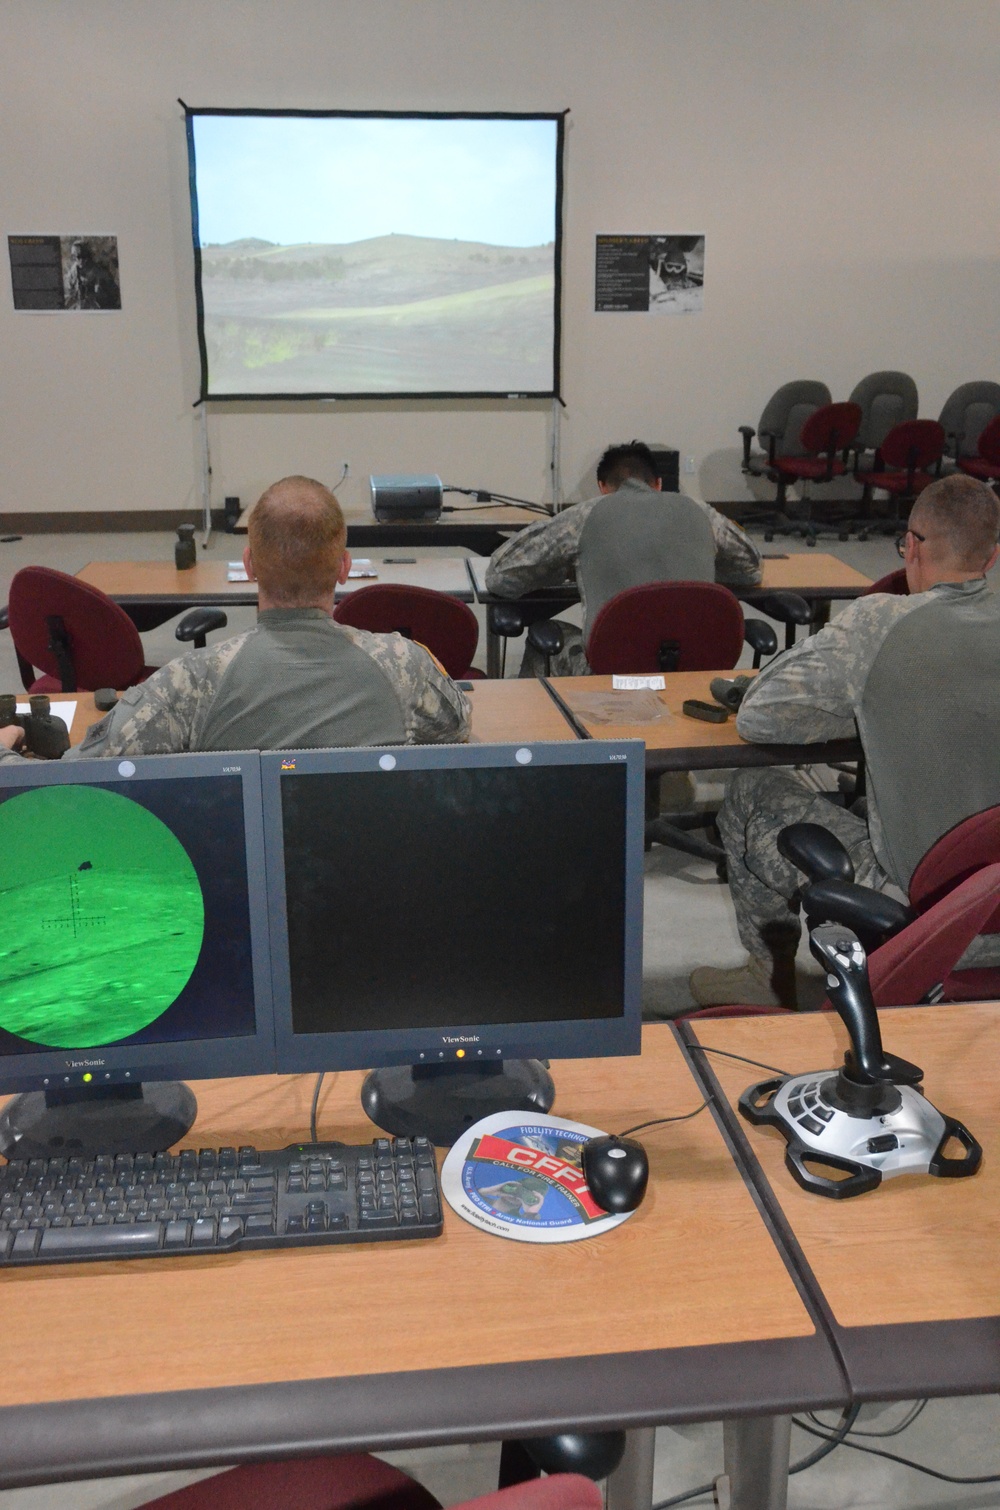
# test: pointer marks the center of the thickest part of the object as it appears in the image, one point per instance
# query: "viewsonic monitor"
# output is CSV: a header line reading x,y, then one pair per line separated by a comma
x,y
133,946
447,915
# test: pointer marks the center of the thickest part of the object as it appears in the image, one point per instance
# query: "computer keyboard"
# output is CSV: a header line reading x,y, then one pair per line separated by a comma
x,y
217,1200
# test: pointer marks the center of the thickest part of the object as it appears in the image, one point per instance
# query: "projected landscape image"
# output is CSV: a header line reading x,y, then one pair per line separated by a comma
x,y
101,917
347,255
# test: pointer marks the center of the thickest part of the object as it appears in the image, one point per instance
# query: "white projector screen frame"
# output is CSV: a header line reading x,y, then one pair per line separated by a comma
x,y
386,314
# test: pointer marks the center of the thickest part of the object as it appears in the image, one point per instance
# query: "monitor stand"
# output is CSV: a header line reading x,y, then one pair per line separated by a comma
x,y
88,1120
439,1101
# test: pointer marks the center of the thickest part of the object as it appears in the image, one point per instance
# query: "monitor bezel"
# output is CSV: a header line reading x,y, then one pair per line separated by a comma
x,y
575,1038
188,1059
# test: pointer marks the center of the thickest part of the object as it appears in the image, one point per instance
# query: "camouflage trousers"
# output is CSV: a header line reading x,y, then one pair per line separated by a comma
x,y
757,806
570,661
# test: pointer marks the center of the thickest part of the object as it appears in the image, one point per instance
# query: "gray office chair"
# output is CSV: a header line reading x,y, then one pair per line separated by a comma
x,y
965,416
886,399
778,433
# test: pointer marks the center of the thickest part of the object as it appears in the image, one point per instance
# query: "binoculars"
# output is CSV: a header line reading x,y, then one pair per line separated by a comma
x,y
45,736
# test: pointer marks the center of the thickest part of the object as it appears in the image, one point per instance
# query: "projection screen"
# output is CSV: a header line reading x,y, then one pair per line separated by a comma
x,y
376,254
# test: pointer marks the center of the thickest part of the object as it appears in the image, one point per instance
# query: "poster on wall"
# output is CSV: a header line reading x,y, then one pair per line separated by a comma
x,y
656,275
64,272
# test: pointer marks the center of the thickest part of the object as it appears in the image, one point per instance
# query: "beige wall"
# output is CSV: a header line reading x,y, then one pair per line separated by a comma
x,y
838,154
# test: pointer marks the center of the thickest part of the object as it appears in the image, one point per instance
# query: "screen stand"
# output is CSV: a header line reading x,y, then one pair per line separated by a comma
x,y
439,1101
88,1120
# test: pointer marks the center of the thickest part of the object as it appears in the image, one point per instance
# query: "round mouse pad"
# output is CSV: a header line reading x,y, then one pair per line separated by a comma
x,y
101,917
517,1174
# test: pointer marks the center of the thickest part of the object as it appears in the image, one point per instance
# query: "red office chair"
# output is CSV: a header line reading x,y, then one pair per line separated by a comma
x,y
76,636
901,468
917,964
675,626
826,438
358,1481
446,627
893,582
986,463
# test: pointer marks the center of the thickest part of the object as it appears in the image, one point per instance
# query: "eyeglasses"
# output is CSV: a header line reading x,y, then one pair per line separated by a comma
x,y
901,542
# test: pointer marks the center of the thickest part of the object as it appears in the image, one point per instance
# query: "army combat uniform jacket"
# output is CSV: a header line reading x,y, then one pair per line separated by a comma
x,y
547,553
295,681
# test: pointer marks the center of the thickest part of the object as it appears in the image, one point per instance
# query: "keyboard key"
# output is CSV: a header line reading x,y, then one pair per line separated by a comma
x,y
25,1244
203,1233
176,1235
103,1242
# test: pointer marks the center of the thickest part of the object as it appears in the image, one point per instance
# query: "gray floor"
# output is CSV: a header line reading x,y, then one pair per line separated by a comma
x,y
689,921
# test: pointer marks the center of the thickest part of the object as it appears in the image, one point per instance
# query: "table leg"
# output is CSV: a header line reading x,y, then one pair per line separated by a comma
x,y
755,1453
630,1487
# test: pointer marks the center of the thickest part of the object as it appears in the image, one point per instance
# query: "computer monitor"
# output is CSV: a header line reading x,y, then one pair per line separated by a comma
x,y
133,946
448,915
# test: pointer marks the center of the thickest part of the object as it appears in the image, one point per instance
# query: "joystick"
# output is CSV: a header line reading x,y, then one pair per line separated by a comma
x,y
869,1118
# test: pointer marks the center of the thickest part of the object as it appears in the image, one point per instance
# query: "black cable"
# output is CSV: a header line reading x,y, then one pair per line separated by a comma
x,y
742,1058
893,1431
893,1457
850,1415
312,1115
658,1121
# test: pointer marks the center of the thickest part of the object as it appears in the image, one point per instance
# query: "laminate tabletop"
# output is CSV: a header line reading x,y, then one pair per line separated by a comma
x,y
207,581
910,1272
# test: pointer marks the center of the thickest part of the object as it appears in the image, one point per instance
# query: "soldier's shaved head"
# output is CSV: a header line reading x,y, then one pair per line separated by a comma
x,y
297,541
960,517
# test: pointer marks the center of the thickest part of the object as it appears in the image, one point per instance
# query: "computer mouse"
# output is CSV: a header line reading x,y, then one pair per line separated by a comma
x,y
616,1171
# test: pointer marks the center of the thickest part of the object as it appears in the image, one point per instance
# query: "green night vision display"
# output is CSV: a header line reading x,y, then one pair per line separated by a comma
x,y
101,917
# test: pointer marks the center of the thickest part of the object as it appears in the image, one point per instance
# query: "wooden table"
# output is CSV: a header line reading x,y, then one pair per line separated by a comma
x,y
814,575
909,1275
135,1366
151,592
480,527
675,742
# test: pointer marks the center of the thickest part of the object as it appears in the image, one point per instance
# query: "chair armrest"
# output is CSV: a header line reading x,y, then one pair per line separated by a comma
x,y
198,623
546,636
748,432
505,619
4,617
872,915
786,607
813,849
772,444
761,637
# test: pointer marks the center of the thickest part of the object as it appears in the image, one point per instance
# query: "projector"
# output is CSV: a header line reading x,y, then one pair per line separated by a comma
x,y
408,497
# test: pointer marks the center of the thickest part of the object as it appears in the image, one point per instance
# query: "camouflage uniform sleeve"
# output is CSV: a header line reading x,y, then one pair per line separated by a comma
x,y
543,555
737,559
164,715
435,710
813,691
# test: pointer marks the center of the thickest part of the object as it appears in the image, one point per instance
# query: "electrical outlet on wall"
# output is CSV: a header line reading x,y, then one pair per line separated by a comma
x,y
689,464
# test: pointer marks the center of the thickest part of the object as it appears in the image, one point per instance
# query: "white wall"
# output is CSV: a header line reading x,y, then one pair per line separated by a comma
x,y
838,154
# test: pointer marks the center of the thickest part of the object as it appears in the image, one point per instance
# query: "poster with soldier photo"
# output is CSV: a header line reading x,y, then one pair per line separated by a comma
x,y
657,275
64,272
518,1175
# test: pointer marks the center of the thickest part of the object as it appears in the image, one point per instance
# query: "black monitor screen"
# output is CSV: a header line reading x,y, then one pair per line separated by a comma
x,y
125,916
453,891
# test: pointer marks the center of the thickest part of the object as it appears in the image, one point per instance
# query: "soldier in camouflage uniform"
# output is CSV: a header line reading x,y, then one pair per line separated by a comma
x,y
298,680
916,676
638,539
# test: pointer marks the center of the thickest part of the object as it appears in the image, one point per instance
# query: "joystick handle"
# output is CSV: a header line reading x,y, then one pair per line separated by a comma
x,y
843,958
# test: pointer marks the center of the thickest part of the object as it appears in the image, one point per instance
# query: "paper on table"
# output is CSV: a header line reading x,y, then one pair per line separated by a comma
x,y
641,707
236,572
655,683
65,711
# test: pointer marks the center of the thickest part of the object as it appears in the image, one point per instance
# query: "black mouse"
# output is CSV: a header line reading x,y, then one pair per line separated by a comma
x,y
616,1171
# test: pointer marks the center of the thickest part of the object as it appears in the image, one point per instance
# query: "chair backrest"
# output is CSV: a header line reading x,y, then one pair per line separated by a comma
x,y
787,410
103,643
961,852
989,442
968,411
449,629
704,621
918,958
894,581
831,428
885,399
917,443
